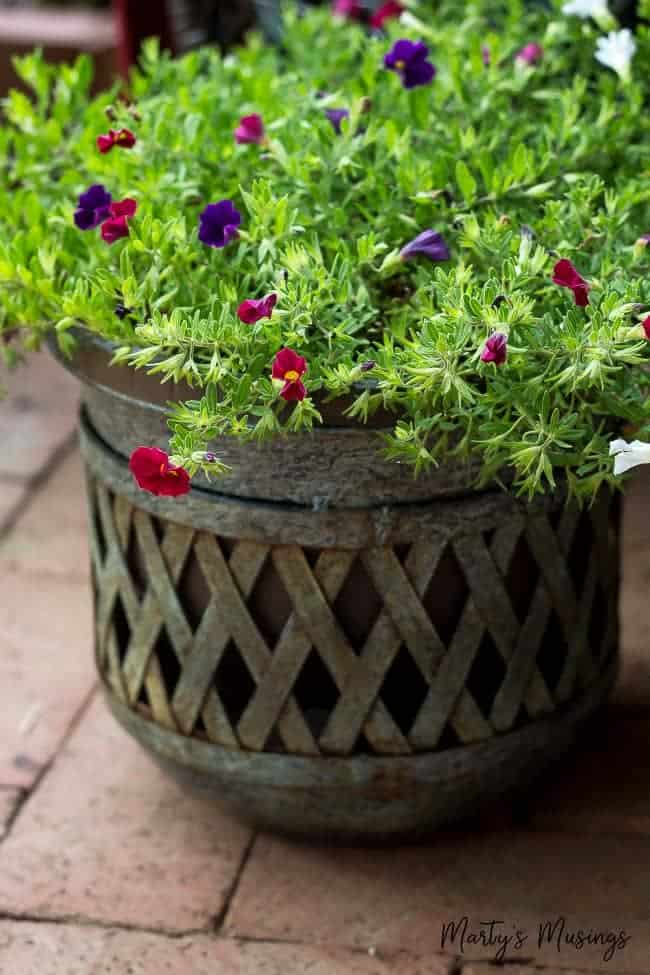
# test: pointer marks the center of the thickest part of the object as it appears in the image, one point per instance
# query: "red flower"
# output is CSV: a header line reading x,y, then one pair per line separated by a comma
x,y
386,12
645,325
289,367
117,226
123,138
252,310
565,274
151,468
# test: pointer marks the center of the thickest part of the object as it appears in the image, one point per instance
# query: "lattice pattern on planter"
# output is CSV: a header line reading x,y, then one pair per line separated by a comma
x,y
390,650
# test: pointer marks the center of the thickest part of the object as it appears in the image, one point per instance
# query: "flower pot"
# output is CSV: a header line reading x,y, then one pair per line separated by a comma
x,y
331,646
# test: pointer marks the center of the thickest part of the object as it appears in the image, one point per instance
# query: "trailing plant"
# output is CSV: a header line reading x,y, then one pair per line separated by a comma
x,y
444,217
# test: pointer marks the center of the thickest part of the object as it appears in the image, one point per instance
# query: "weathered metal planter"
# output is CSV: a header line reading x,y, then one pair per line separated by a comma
x,y
333,647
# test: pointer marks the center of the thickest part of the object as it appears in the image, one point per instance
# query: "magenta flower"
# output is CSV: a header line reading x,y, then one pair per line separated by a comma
x,y
495,349
386,12
430,244
336,116
409,60
252,310
250,130
645,325
530,54
486,56
93,208
351,9
218,224
565,274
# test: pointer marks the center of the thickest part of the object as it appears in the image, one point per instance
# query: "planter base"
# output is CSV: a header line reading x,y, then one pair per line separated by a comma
x,y
366,799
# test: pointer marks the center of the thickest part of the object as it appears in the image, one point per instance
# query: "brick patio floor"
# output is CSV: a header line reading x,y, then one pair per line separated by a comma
x,y
107,867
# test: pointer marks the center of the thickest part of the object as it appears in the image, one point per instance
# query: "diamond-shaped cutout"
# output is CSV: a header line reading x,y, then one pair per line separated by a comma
x,y
316,692
269,603
169,665
522,578
598,623
121,627
581,552
486,674
193,591
357,605
446,595
552,654
234,683
404,690
136,564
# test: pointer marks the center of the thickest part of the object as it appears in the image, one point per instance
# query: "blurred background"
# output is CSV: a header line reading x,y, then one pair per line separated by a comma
x,y
112,30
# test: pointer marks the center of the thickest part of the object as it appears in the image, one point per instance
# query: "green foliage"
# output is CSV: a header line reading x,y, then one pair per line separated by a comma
x,y
483,155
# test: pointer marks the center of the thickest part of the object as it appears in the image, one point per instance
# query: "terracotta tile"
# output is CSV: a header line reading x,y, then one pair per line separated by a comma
x,y
9,801
46,668
12,494
489,969
602,787
72,950
51,534
37,416
108,836
397,899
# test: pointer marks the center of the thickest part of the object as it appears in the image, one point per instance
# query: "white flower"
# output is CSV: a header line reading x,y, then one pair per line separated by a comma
x,y
627,455
616,51
586,8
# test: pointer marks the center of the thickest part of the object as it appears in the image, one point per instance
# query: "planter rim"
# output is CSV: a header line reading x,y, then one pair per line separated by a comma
x,y
285,523
90,362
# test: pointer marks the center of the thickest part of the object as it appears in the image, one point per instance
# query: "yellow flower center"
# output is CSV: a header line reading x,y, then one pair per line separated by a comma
x,y
167,470
291,376
400,65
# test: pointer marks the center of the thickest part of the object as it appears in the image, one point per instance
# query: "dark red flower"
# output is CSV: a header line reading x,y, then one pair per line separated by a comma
x,y
151,468
290,367
252,310
386,12
117,225
565,274
645,325
123,138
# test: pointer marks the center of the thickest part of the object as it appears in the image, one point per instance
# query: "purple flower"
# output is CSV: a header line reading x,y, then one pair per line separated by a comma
x,y
486,55
367,366
495,349
409,60
218,223
530,53
336,116
429,243
93,208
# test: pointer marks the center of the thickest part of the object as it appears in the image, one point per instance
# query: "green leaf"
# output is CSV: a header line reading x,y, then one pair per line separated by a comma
x,y
465,180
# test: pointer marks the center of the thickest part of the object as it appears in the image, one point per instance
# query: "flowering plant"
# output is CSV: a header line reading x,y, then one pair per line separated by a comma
x,y
442,216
